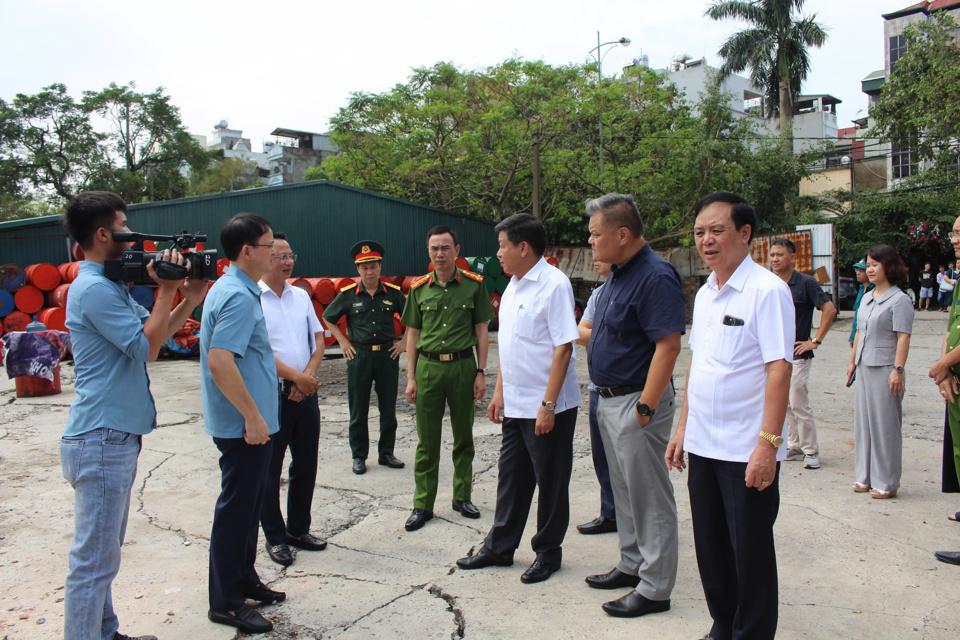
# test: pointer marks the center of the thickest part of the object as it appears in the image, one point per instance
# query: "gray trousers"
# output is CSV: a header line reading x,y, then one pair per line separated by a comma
x,y
642,491
877,435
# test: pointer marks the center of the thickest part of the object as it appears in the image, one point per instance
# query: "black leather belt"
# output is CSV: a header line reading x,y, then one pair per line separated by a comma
x,y
447,357
373,347
613,392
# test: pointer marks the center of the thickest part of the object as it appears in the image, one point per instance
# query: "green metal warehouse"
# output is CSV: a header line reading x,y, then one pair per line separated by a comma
x,y
323,220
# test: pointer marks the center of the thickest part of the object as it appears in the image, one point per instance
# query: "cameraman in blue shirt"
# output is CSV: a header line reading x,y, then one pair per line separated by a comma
x,y
113,339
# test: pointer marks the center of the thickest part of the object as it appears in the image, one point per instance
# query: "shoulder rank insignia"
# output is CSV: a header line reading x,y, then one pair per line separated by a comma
x,y
419,281
390,284
473,276
348,287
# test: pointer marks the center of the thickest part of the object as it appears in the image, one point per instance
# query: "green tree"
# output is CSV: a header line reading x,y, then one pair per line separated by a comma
x,y
230,174
775,49
919,106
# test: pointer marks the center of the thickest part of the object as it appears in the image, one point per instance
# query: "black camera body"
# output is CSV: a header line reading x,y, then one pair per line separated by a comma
x,y
132,265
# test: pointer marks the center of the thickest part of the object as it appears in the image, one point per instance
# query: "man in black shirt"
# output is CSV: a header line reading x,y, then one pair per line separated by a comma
x,y
926,286
807,295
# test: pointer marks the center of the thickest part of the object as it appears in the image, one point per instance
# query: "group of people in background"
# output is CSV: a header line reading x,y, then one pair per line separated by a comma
x,y
940,284
261,340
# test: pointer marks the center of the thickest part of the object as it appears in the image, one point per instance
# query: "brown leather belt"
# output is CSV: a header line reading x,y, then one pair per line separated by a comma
x,y
447,357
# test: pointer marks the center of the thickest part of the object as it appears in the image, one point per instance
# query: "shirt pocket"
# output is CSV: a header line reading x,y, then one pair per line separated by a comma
x,y
729,340
531,323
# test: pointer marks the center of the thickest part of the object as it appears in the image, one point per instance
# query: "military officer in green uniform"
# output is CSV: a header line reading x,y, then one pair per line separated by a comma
x,y
371,352
446,316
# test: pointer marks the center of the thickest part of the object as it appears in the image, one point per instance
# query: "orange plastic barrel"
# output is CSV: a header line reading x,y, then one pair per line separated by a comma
x,y
58,297
318,308
31,386
28,299
430,267
405,284
462,263
398,326
553,262
323,291
54,317
43,276
16,321
222,265
69,271
303,283
386,279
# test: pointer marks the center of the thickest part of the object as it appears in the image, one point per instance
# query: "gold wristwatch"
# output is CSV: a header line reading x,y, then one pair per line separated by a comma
x,y
776,441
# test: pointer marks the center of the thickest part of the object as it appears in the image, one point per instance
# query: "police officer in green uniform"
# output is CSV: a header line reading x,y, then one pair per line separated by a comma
x,y
371,352
446,316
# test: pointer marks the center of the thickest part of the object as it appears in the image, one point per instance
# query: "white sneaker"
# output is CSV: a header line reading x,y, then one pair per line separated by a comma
x,y
795,454
812,461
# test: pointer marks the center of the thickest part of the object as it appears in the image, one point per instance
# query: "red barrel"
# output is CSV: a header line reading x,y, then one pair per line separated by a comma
x,y
177,297
69,271
323,290
405,284
11,277
77,252
495,303
430,267
342,325
462,263
58,297
386,279
15,321
54,317
31,386
318,308
28,299
222,265
43,276
303,283
398,326
398,280
340,283
553,262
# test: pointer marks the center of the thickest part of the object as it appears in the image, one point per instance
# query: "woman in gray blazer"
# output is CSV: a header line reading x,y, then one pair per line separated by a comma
x,y
884,325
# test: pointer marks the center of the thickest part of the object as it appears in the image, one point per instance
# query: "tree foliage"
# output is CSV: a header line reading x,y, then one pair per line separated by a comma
x,y
470,141
919,106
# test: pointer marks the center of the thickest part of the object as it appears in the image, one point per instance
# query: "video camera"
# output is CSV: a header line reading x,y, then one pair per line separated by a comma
x,y
132,265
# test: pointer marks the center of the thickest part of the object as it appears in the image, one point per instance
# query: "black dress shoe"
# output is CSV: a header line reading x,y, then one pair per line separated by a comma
x,y
263,593
390,460
598,525
359,466
417,519
466,508
481,561
307,542
614,579
539,571
634,605
244,618
280,553
950,557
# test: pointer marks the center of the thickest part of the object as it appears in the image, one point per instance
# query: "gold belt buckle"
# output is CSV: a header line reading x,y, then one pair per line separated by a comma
x,y
376,347
446,357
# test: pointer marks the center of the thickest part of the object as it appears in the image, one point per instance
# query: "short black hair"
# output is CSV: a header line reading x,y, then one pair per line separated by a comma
x,y
618,210
89,211
278,235
242,229
523,227
893,265
741,212
779,242
440,229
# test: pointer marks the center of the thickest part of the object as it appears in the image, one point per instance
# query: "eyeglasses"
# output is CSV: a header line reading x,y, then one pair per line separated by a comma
x,y
292,257
953,235
254,244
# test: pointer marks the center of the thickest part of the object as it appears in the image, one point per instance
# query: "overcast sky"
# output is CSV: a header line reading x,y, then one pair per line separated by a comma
x,y
294,63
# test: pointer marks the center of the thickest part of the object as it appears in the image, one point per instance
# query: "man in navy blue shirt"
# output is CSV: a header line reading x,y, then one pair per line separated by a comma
x,y
634,345
113,339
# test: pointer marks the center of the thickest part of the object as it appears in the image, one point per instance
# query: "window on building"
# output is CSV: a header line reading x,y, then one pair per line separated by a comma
x,y
898,46
904,162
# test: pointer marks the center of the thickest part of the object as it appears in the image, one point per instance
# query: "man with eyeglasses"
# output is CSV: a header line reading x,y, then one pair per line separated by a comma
x,y
238,380
372,353
446,316
296,338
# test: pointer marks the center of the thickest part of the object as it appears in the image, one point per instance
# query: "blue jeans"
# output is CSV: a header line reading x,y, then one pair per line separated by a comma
x,y
101,466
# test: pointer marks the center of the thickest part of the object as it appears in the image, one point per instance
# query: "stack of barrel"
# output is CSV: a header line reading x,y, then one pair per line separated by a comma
x,y
38,290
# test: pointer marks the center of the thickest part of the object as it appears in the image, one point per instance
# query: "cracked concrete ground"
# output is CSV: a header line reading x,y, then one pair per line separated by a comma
x,y
850,567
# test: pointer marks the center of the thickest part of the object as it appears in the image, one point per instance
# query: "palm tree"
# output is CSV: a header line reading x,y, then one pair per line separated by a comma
x,y
775,50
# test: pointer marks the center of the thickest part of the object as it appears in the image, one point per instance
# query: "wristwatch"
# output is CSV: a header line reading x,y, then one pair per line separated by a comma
x,y
815,341
644,410
776,441
483,371
898,369
550,406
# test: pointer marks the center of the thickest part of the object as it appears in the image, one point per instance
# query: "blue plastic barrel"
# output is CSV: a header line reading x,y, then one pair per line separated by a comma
x,y
12,277
6,303
143,295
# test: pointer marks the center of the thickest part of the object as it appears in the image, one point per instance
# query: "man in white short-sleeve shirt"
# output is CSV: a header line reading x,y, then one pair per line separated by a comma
x,y
538,394
296,338
737,389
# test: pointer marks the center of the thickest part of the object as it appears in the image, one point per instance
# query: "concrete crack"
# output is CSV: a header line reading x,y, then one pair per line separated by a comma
x,y
348,625
453,608
153,519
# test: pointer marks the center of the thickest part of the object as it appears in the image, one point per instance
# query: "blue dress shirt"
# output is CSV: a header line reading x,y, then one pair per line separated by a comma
x,y
233,320
110,354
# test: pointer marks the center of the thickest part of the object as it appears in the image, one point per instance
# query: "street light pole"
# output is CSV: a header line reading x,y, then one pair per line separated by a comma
x,y
599,58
